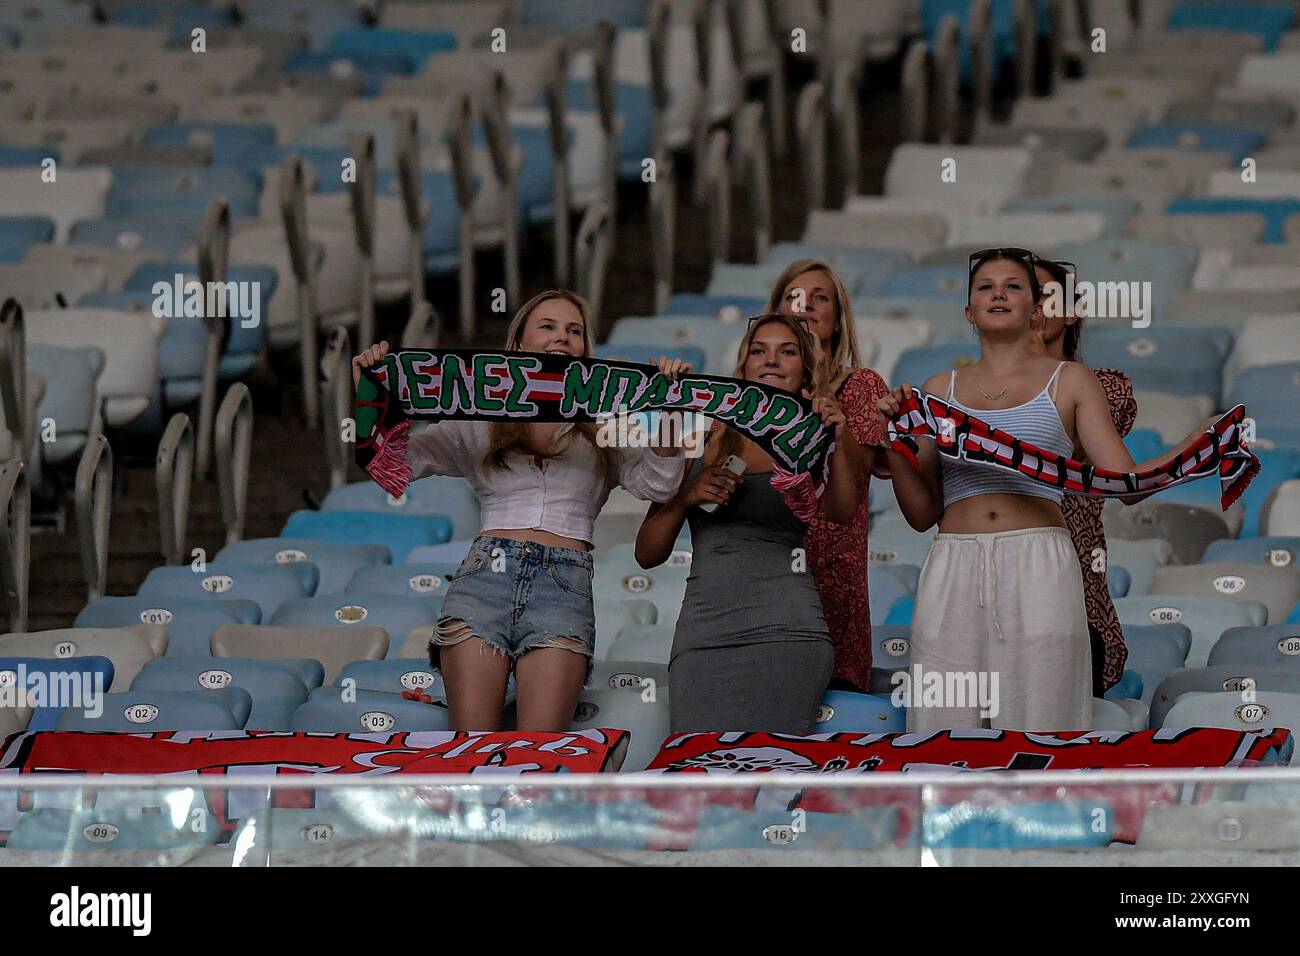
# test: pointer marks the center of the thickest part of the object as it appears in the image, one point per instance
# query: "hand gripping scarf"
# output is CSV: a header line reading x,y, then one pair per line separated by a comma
x,y
459,384
1216,451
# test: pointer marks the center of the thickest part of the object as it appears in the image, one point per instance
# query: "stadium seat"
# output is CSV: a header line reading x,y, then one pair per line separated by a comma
x,y
1278,466
1115,210
398,616
1279,551
886,583
368,714
1268,709
642,642
1222,678
71,384
1187,528
275,691
75,831
694,303
1269,390
336,562
428,580
1237,142
189,623
76,194
1267,21
129,648
453,552
268,830
936,282
1277,588
843,711
892,337
986,176
400,532
1207,618
1118,580
1230,826
1174,361
1140,558
20,233
393,676
1154,651
144,711
918,364
629,676
1274,211
1129,687
334,647
645,720
266,585
1168,266
719,340
1017,826
620,577
52,685
1272,645
434,495
891,652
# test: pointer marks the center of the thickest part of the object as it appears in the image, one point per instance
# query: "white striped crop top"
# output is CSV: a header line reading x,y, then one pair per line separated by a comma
x,y
1037,422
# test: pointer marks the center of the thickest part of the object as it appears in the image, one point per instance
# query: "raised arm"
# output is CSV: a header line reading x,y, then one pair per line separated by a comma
x,y
663,522
919,488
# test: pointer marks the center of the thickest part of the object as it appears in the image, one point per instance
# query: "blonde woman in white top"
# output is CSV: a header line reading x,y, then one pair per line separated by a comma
x,y
521,599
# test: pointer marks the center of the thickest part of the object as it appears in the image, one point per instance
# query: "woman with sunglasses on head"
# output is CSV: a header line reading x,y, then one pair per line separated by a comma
x,y
837,553
1062,331
1001,589
521,599
751,650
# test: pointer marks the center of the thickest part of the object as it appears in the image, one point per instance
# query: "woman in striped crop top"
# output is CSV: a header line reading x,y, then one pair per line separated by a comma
x,y
1000,608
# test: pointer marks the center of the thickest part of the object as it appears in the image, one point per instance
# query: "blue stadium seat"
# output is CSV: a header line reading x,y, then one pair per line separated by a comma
x,y
368,714
396,615
399,532
1179,361
719,340
26,155
1274,211
276,691
1144,444
1237,141
336,562
53,684
148,190
696,303
147,711
319,19
434,495
416,45
901,611
441,239
1277,550
928,282
1272,645
1205,617
20,233
266,585
1130,687
243,343
427,580
57,828
169,232
453,552
1001,29
70,395
1268,21
578,16
1118,580
395,675
325,160
1271,393
843,711
886,583
229,142
1154,650
189,623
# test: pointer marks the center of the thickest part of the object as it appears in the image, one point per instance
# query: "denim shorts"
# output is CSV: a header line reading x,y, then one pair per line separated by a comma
x,y
519,595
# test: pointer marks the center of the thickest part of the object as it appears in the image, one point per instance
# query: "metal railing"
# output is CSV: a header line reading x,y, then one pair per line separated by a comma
x,y
293,210
214,262
362,196
13,377
336,371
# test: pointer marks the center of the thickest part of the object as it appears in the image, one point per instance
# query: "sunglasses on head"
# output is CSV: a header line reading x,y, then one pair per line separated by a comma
x,y
779,316
1015,253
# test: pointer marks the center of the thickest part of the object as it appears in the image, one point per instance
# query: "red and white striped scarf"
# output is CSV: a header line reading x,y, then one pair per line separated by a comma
x,y
1219,450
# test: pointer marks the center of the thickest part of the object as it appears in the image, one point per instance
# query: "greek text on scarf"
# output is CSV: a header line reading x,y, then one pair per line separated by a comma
x,y
958,434
460,384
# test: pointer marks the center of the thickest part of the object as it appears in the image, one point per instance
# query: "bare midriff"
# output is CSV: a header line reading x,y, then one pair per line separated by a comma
x,y
984,514
540,537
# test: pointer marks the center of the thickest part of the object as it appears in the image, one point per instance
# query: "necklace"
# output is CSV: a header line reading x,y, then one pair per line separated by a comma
x,y
993,398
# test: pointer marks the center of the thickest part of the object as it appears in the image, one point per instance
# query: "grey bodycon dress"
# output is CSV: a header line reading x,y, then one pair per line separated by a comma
x,y
752,650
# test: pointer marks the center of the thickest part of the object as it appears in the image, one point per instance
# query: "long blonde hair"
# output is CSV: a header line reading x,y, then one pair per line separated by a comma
x,y
844,344
509,437
727,441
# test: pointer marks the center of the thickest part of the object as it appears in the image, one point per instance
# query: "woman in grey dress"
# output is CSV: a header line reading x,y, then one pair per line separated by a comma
x,y
752,650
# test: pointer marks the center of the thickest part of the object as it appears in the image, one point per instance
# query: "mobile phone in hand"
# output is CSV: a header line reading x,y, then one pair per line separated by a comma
x,y
734,464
